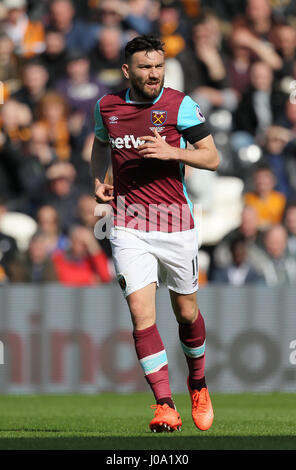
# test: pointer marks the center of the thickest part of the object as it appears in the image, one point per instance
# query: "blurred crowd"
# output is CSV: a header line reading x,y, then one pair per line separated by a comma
x,y
236,58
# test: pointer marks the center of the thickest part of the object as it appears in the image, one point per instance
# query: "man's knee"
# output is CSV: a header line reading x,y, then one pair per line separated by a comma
x,y
187,314
143,315
185,307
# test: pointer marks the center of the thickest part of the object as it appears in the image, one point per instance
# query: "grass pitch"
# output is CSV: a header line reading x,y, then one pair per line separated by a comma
x,y
117,422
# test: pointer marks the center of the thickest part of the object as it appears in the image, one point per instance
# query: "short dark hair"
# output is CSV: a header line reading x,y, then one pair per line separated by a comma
x,y
238,239
143,43
262,166
38,61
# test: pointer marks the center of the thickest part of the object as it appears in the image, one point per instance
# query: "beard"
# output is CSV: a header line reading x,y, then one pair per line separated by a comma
x,y
145,94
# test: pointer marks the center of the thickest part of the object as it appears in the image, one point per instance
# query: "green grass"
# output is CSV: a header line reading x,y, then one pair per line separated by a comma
x,y
116,422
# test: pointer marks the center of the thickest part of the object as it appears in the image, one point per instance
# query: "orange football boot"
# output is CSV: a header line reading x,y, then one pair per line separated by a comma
x,y
202,410
165,419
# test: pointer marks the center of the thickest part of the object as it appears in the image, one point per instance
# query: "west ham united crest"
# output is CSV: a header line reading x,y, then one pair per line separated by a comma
x,y
158,118
121,281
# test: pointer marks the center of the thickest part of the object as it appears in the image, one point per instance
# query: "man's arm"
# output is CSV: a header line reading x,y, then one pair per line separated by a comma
x,y
265,51
204,155
100,158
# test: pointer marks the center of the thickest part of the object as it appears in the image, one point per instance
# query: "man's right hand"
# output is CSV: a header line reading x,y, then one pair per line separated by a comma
x,y
103,192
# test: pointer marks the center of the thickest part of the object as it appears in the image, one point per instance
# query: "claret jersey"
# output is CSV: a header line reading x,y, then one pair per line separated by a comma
x,y
149,194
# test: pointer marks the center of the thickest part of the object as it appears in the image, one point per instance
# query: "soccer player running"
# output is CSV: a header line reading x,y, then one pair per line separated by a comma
x,y
154,236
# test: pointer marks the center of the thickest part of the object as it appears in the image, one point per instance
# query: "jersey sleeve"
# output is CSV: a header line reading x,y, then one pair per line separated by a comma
x,y
101,132
191,122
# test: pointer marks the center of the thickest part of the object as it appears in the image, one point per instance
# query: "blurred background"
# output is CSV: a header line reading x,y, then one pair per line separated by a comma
x,y
237,59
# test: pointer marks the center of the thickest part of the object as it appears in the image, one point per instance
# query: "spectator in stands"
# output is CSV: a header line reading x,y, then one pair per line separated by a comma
x,y
238,64
35,265
20,172
38,10
276,140
284,40
137,16
35,78
8,247
39,144
240,272
248,230
54,56
260,105
86,216
85,10
27,36
202,62
226,10
289,118
203,65
80,89
110,13
86,211
84,264
257,18
30,169
62,193
16,119
274,262
80,159
285,11
290,224
9,66
259,50
78,34
172,29
268,203
107,57
288,121
49,223
52,112
141,16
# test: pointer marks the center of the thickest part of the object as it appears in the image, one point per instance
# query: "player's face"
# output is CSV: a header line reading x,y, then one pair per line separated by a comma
x,y
146,74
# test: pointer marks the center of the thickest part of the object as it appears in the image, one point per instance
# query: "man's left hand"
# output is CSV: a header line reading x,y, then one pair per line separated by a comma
x,y
156,147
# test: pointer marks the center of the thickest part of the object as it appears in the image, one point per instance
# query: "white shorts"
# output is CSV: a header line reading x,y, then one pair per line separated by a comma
x,y
144,257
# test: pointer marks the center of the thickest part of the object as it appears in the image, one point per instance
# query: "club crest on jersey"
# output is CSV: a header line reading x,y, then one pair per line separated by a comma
x,y
158,118
121,281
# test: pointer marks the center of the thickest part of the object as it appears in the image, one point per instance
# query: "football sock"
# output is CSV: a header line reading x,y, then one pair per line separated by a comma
x,y
197,384
167,400
193,342
153,360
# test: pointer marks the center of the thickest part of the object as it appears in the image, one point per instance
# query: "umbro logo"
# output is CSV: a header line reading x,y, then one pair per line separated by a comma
x,y
113,119
194,284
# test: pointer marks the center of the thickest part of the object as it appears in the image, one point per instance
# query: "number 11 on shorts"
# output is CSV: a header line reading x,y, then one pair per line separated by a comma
x,y
194,267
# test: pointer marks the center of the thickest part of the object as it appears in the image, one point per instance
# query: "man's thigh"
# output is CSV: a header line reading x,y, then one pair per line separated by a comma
x,y
136,267
178,261
142,306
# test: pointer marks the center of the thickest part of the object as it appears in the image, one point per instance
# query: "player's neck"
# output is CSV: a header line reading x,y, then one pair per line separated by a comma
x,y
134,96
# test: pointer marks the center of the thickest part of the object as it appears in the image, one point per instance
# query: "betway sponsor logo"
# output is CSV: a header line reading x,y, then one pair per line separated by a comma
x,y
128,141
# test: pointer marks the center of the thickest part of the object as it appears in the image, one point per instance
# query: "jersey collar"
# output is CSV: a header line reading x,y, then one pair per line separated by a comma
x,y
128,100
